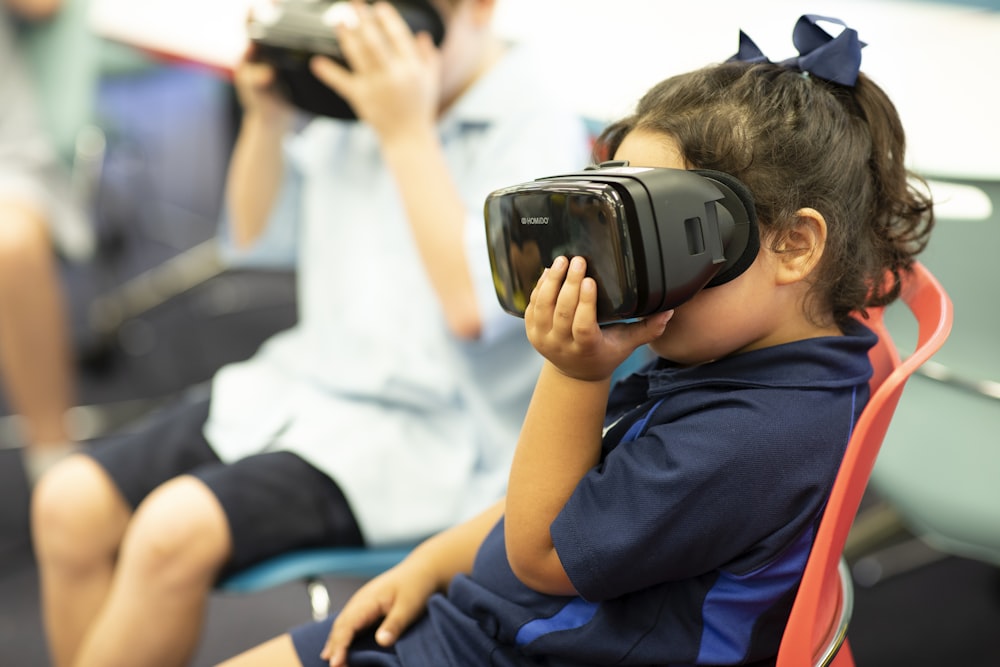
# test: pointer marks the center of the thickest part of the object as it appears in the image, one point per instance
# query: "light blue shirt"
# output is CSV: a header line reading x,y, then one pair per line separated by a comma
x,y
416,426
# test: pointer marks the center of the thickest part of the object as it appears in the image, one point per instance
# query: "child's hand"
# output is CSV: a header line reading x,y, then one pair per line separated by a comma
x,y
394,81
254,84
561,322
398,596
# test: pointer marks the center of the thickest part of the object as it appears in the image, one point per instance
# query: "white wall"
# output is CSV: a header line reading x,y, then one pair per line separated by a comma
x,y
939,63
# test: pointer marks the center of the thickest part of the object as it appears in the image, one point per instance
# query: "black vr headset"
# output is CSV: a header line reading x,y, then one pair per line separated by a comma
x,y
652,237
289,33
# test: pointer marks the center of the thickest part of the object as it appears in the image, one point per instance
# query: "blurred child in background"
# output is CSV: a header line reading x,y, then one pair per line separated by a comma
x,y
391,410
36,208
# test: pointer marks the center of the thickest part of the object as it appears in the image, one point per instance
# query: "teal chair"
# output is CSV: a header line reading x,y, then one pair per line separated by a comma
x,y
310,566
937,478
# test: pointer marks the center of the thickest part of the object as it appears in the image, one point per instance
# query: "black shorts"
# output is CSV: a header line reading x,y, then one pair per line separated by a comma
x,y
274,501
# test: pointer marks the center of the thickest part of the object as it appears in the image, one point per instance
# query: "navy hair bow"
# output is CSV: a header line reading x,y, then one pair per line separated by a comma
x,y
836,59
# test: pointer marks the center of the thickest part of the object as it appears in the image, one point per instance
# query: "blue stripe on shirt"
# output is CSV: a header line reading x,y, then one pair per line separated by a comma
x,y
736,602
575,614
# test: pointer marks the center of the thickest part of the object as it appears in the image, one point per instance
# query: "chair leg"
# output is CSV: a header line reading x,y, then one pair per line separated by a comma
x,y
190,268
319,598
844,657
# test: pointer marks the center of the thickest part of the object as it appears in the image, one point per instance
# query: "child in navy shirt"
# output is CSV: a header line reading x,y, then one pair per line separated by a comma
x,y
667,521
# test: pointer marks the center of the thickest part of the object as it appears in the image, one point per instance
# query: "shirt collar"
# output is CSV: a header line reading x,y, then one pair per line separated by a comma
x,y
827,362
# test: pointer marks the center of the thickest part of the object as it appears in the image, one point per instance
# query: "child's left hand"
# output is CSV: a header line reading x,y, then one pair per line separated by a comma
x,y
561,323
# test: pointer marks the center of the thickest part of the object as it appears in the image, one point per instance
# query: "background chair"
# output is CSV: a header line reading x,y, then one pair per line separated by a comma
x,y
816,633
936,480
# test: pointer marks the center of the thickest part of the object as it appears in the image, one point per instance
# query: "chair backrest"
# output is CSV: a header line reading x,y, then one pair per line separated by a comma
x,y
815,622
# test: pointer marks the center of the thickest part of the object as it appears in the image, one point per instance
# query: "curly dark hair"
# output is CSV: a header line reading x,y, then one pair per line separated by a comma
x,y
799,141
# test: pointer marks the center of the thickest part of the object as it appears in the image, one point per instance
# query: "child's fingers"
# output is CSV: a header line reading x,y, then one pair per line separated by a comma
x,y
569,297
397,35
369,47
352,39
585,319
353,617
333,75
543,297
399,617
648,329
253,75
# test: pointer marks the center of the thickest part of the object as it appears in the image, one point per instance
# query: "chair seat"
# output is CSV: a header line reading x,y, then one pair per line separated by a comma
x,y
308,564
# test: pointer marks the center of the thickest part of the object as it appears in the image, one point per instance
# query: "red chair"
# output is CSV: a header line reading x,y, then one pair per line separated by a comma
x,y
816,633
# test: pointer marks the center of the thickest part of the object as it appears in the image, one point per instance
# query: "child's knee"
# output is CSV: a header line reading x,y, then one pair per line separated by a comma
x,y
76,511
179,535
26,236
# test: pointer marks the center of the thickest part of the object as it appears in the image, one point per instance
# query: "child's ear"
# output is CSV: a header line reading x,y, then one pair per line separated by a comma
x,y
799,251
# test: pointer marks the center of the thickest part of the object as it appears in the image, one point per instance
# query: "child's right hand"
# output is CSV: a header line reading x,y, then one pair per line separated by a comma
x,y
398,596
561,323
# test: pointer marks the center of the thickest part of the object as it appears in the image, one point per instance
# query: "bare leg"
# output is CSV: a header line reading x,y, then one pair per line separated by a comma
x,y
172,551
278,652
35,358
78,520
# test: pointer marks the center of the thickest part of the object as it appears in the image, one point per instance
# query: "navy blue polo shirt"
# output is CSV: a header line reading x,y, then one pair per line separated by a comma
x,y
688,540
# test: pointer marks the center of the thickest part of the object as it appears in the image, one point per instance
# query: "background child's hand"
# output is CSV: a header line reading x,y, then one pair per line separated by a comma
x,y
254,84
394,81
561,322
398,596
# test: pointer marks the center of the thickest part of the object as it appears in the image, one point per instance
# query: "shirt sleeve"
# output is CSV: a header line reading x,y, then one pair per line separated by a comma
x,y
277,246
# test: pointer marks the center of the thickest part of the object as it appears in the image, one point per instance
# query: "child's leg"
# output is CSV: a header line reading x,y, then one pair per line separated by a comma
x,y
278,652
171,554
302,646
81,512
78,520
35,359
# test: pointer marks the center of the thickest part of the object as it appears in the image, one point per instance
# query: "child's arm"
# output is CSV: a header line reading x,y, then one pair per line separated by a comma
x,y
400,595
561,436
437,218
395,86
256,168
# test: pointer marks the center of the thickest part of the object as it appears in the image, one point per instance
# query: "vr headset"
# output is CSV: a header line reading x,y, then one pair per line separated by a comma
x,y
652,237
286,34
